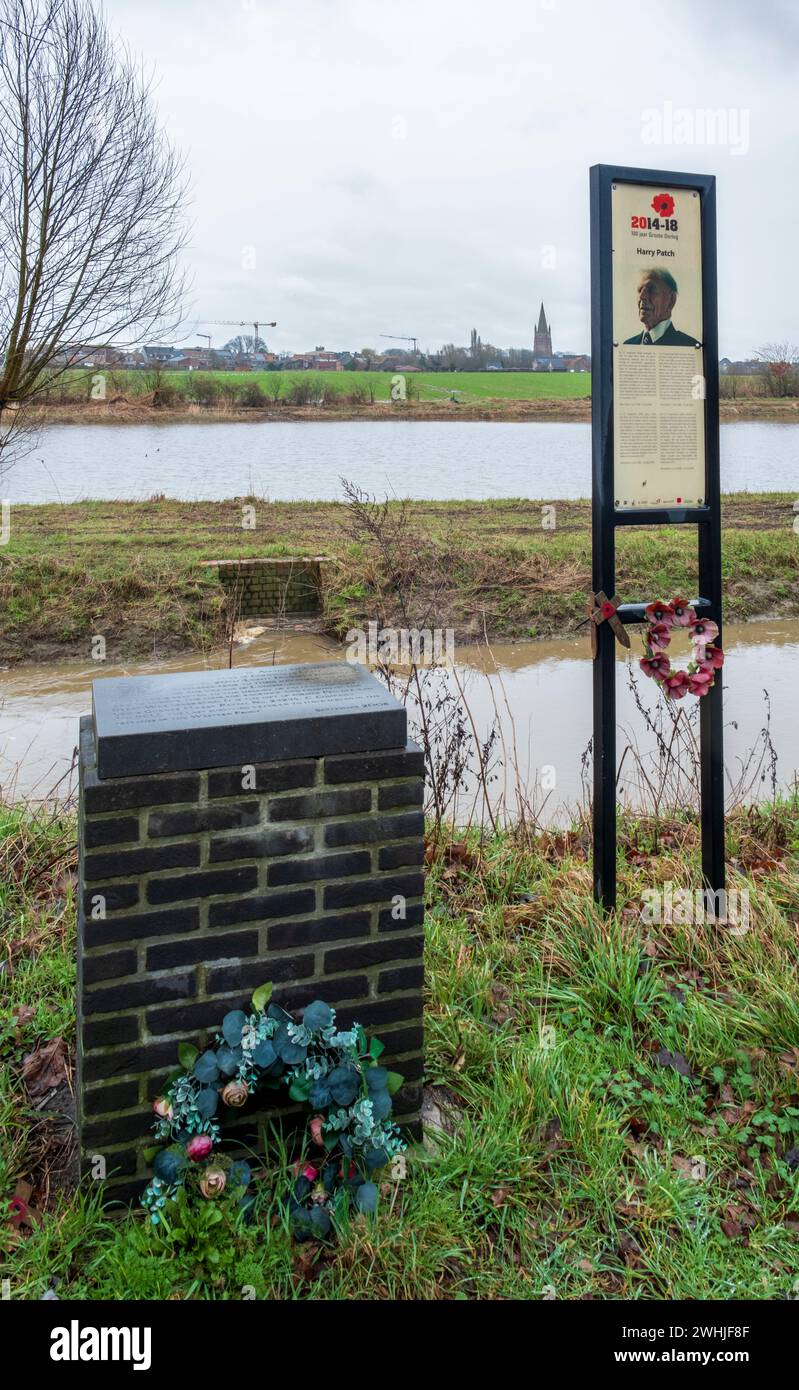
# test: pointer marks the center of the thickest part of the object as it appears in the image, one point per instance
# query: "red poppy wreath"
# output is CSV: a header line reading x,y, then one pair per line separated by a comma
x,y
707,658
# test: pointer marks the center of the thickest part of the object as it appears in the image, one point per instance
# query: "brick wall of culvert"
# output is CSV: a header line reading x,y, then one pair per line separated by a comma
x,y
273,587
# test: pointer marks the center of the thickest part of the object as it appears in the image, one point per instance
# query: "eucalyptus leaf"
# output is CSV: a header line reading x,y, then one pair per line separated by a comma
x,y
317,1016
229,1059
207,1101
264,1054
310,1224
320,1221
169,1165
280,1015
206,1068
240,1173
344,1083
232,1025
381,1105
376,1079
319,1095
289,1052
366,1197
374,1159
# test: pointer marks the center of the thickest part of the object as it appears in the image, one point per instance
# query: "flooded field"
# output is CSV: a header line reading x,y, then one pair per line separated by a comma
x,y
537,693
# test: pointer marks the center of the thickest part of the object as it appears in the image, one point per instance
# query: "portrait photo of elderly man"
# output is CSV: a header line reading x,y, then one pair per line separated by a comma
x,y
657,295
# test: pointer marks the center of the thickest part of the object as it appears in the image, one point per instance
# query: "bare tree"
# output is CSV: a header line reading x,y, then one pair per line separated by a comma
x,y
781,363
91,200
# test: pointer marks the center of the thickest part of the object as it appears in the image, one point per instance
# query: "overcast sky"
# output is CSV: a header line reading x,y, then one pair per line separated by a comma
x,y
416,168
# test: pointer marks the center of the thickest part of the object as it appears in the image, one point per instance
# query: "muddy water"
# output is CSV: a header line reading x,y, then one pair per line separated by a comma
x,y
538,693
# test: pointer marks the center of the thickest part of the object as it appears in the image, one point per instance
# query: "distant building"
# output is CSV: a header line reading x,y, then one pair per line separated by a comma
x,y
575,362
197,359
317,361
157,353
542,342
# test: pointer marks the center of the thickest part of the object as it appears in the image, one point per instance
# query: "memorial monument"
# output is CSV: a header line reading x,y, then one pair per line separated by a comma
x,y
237,827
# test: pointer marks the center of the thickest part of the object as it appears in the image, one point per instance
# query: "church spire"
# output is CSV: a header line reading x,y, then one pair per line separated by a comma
x,y
542,339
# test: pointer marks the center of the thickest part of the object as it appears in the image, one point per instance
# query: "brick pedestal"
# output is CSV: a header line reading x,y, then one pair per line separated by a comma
x,y
197,886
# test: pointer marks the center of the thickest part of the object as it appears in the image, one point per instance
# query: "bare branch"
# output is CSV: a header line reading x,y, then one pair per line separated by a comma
x,y
92,197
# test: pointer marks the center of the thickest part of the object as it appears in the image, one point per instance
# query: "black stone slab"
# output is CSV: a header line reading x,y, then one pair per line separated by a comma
x,y
252,714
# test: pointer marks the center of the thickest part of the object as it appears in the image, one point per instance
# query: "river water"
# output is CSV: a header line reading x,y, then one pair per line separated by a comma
x,y
204,460
538,692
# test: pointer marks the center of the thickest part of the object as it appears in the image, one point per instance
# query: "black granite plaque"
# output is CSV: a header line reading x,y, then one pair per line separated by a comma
x,y
252,714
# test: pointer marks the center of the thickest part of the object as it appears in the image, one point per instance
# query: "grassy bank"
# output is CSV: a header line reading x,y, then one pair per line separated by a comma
x,y
299,388
134,572
614,1105
135,397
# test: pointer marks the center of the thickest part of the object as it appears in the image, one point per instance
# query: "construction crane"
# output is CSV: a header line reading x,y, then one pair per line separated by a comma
x,y
402,338
255,324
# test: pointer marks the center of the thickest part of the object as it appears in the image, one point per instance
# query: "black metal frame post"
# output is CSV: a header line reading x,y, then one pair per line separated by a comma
x,y
605,518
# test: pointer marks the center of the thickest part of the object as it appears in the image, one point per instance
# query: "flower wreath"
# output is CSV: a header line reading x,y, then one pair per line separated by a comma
x,y
700,675
335,1072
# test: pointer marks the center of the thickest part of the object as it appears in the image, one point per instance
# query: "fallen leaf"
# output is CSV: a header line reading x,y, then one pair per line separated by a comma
x,y
45,1068
664,1058
305,1261
500,1195
682,1165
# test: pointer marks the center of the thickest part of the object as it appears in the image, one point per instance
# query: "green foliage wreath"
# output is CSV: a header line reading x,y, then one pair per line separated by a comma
x,y
336,1073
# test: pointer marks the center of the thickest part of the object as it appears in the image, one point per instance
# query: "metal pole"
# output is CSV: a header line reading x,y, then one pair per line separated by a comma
x,y
711,719
603,547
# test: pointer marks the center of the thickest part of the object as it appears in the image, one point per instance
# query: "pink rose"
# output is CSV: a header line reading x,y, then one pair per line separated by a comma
x,y
310,1172
315,1127
235,1093
162,1108
213,1181
199,1147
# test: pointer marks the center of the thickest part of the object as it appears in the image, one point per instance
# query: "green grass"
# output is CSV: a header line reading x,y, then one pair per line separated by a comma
x,y
569,1164
431,386
134,572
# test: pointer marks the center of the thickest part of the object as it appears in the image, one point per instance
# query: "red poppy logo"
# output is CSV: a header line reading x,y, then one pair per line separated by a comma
x,y
663,203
